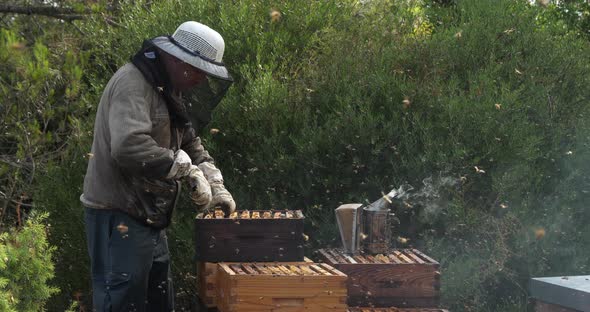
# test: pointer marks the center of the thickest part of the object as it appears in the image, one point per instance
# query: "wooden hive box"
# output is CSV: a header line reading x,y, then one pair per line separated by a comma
x,y
359,309
250,236
403,278
207,280
265,287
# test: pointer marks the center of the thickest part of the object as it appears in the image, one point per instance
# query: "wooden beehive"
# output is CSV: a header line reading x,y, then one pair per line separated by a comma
x,y
403,278
207,280
265,287
250,236
395,310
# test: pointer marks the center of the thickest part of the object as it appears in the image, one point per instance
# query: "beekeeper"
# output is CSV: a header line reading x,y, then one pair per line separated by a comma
x,y
144,144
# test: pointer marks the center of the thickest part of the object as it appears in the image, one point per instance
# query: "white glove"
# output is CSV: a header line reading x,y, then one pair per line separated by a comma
x,y
181,166
200,188
221,197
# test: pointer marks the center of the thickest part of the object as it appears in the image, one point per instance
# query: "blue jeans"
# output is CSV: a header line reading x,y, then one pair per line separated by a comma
x,y
130,264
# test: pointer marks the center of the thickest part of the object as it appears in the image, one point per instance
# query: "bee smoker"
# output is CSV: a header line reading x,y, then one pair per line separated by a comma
x,y
376,231
367,229
364,229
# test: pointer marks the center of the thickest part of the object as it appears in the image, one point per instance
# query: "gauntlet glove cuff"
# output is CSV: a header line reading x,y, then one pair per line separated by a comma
x,y
220,195
201,190
211,172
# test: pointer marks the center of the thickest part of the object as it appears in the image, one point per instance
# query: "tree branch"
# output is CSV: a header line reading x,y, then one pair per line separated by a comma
x,y
111,22
67,14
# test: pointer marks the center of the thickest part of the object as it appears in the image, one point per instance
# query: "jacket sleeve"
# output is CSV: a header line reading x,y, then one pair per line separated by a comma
x,y
191,144
130,126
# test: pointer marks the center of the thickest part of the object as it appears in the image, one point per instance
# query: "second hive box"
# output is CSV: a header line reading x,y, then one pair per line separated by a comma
x,y
248,236
207,280
401,278
259,287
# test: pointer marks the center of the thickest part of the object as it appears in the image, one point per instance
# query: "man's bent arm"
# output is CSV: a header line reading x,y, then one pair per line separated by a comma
x,y
191,144
130,126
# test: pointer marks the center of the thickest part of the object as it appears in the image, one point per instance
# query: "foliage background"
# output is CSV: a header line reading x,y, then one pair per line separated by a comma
x,y
481,106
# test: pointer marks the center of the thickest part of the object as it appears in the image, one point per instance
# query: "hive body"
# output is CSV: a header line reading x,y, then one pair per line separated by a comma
x,y
250,236
261,287
207,284
401,278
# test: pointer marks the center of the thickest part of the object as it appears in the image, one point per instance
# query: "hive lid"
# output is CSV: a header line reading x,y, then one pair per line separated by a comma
x,y
567,291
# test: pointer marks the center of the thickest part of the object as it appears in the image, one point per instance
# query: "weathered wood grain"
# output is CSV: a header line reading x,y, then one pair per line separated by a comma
x,y
280,287
249,240
541,306
207,278
404,278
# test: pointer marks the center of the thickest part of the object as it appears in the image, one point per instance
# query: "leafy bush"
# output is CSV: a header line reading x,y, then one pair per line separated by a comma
x,y
27,267
41,94
6,298
573,14
57,193
42,102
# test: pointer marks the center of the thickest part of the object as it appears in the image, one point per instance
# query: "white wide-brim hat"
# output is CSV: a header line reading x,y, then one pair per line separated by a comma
x,y
197,45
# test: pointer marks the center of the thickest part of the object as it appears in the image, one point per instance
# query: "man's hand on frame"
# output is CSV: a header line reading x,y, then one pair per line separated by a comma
x,y
221,196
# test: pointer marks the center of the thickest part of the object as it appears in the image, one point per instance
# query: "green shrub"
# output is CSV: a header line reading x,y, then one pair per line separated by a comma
x,y
573,14
41,100
27,267
57,193
6,298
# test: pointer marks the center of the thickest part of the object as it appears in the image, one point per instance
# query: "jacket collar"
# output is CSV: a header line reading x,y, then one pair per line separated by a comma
x,y
149,63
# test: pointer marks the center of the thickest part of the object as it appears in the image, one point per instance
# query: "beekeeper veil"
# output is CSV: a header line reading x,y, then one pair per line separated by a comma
x,y
201,47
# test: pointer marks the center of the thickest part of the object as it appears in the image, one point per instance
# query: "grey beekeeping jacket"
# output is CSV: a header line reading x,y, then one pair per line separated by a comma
x,y
133,150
